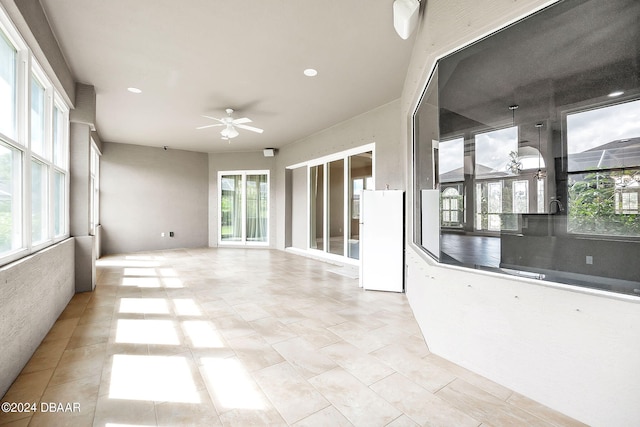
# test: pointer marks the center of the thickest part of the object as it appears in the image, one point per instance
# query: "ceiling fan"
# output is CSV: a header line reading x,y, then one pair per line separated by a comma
x,y
230,124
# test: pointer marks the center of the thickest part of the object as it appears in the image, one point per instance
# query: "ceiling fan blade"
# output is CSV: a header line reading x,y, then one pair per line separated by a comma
x,y
214,118
209,126
251,128
242,121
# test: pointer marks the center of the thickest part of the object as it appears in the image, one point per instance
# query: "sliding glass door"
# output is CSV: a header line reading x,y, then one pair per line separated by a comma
x,y
257,212
243,207
316,226
335,214
335,188
360,174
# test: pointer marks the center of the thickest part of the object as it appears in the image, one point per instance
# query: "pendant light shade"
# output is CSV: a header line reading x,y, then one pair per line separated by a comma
x,y
540,174
514,165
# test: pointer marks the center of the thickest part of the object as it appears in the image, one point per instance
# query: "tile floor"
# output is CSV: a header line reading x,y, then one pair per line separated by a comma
x,y
249,337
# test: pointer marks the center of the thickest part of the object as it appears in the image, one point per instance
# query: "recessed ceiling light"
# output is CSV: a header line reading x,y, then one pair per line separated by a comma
x,y
134,90
310,72
615,93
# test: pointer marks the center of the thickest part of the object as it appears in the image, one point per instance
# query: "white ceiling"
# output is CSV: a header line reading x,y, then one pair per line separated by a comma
x,y
203,56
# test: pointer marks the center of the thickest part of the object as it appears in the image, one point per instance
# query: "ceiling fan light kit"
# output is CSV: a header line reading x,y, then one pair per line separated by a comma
x,y
230,124
229,132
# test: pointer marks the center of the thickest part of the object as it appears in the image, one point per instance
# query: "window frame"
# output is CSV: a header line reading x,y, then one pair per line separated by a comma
x,y
94,184
347,196
28,69
578,108
243,241
15,88
459,198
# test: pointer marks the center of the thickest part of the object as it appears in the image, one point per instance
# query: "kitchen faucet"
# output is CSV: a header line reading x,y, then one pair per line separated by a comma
x,y
558,203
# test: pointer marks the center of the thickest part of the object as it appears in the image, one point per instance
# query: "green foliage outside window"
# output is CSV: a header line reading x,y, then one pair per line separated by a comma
x,y
592,205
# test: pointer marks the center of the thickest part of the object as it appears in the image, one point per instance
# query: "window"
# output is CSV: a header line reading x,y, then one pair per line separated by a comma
x,y
39,202
450,164
604,138
8,87
257,203
316,208
627,202
494,150
451,160
10,199
59,203
336,199
604,203
358,185
335,190
94,205
37,117
493,206
540,196
359,173
59,145
603,158
33,152
452,202
547,158
243,207
520,191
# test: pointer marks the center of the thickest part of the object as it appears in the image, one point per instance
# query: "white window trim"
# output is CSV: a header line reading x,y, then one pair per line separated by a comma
x,y
337,156
26,67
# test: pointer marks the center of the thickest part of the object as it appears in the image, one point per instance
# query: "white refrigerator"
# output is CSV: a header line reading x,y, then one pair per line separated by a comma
x,y
382,240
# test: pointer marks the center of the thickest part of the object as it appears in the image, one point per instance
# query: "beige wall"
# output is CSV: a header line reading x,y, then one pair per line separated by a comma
x,y
148,191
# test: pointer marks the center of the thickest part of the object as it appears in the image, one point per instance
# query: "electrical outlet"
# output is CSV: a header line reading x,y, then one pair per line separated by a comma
x,y
161,234
171,234
589,259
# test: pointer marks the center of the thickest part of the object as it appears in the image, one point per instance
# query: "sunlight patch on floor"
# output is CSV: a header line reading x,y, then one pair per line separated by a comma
x,y
126,425
145,257
146,331
168,272
231,385
108,262
173,282
186,307
141,282
144,305
202,334
152,378
140,271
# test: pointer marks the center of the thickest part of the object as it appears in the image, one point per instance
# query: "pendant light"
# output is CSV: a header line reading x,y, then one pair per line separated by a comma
x,y
540,175
514,165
